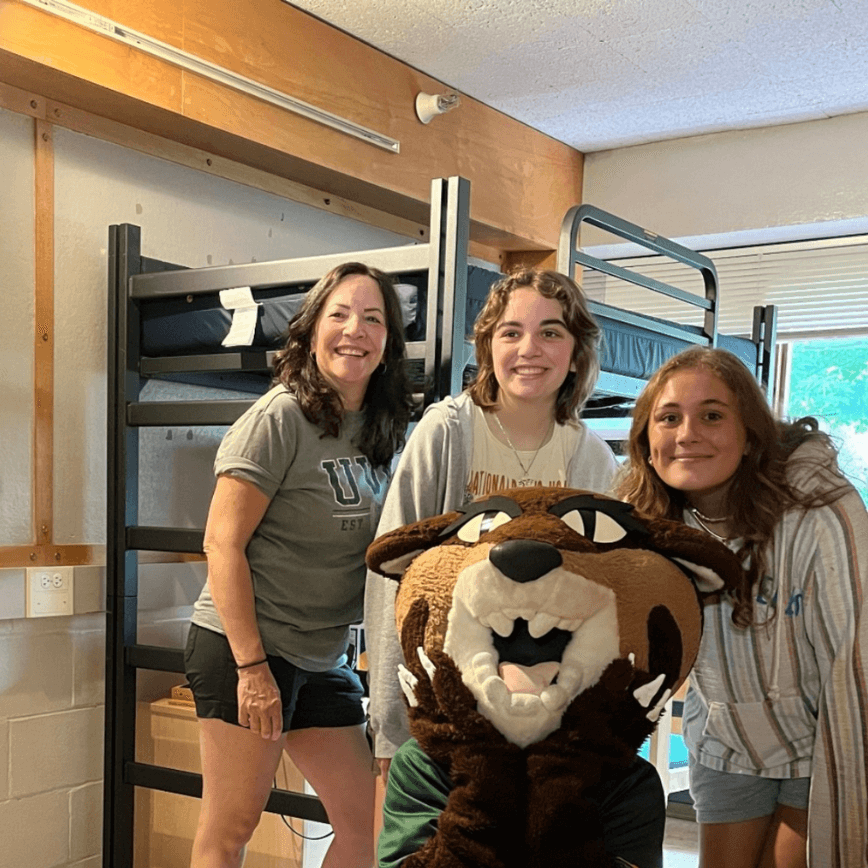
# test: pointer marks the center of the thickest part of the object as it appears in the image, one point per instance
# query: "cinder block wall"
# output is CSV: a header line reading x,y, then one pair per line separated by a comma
x,y
51,725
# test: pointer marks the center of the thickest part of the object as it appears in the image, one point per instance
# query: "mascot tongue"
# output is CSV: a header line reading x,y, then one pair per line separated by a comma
x,y
528,679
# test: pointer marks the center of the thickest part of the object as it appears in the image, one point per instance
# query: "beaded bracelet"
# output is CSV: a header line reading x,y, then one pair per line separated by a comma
x,y
251,665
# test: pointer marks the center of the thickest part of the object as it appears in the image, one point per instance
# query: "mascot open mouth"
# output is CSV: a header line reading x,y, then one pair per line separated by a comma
x,y
528,663
543,631
526,650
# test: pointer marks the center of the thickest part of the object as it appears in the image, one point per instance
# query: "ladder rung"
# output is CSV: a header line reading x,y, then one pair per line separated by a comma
x,y
165,539
301,805
169,413
155,657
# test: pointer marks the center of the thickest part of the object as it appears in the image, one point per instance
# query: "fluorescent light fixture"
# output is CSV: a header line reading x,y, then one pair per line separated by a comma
x,y
154,47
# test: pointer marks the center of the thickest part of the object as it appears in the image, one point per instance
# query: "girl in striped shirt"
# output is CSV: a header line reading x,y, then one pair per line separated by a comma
x,y
775,718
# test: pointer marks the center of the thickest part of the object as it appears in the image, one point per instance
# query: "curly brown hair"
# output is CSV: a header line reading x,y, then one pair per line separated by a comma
x,y
579,384
388,401
759,493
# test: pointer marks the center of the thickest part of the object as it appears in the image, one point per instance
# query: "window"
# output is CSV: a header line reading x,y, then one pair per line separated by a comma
x,y
820,288
828,379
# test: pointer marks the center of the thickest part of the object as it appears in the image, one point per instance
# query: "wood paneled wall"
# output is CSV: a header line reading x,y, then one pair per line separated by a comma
x,y
61,74
522,181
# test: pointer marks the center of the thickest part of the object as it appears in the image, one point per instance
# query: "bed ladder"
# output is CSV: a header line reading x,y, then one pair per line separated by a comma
x,y
133,278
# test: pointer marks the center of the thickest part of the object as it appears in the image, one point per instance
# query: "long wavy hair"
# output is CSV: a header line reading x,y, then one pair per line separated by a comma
x,y
388,402
579,384
759,493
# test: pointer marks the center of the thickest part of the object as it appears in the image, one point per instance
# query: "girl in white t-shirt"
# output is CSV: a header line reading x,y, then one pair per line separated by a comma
x,y
517,424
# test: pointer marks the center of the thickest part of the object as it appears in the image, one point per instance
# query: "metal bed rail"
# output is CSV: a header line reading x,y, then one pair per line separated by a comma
x,y
569,256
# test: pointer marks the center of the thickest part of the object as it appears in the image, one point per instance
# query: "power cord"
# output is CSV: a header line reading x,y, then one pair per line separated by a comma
x,y
286,821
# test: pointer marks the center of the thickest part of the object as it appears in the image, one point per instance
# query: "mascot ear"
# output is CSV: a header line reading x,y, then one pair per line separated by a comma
x,y
391,554
711,565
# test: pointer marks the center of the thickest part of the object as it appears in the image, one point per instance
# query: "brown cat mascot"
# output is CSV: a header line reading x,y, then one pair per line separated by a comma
x,y
543,631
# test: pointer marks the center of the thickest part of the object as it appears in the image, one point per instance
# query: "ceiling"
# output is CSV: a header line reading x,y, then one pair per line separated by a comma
x,y
601,74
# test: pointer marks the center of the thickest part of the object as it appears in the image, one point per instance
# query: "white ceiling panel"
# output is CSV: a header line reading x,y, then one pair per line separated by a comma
x,y
600,74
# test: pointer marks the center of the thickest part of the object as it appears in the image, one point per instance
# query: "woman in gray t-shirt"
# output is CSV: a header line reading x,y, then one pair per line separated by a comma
x,y
300,477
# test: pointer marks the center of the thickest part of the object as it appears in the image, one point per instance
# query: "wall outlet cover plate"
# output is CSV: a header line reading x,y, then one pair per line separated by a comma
x,y
49,592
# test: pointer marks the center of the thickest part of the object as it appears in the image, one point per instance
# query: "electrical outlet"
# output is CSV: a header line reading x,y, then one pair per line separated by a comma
x,y
49,591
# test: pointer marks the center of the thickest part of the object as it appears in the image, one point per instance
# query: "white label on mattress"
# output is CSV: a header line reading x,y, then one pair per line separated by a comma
x,y
243,327
240,296
244,314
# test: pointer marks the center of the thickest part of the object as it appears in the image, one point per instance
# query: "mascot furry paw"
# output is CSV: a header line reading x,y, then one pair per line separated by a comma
x,y
543,631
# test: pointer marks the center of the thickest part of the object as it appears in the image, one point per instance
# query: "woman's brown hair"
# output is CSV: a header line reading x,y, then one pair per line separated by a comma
x,y
579,384
760,493
388,401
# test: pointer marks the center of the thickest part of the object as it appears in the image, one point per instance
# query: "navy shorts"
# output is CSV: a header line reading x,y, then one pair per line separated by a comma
x,y
323,699
727,797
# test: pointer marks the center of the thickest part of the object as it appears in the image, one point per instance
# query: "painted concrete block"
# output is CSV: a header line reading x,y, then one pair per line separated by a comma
x,y
88,666
36,676
50,751
85,821
45,818
89,589
12,593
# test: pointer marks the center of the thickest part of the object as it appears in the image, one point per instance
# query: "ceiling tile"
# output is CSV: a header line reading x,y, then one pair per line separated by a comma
x,y
599,74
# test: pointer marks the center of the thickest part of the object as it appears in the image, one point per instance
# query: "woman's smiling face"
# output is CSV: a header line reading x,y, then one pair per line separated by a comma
x,y
350,337
696,435
531,348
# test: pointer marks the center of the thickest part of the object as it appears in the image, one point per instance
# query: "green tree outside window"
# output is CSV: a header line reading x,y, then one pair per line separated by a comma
x,y
828,379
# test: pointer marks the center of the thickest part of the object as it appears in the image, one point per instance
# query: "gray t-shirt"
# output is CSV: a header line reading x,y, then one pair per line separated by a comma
x,y
307,556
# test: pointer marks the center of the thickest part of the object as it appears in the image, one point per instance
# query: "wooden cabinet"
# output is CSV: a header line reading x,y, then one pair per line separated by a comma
x,y
166,822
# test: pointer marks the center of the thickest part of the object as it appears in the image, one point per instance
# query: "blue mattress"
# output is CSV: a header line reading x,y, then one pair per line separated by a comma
x,y
637,352
171,327
179,327
626,350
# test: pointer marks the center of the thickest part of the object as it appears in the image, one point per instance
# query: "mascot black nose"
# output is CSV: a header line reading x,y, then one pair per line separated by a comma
x,y
525,560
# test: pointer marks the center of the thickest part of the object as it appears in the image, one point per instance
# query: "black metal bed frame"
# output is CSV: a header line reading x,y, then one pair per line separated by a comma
x,y
570,256
135,280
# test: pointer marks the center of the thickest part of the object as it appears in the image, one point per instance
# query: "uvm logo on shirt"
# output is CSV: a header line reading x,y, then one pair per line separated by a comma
x,y
354,483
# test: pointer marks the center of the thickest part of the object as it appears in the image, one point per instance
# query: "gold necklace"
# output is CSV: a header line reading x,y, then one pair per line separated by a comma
x,y
525,470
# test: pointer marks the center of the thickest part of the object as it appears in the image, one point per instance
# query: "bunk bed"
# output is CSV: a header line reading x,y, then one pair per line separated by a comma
x,y
167,324
635,345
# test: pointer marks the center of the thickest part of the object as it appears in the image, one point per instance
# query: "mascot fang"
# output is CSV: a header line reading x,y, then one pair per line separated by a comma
x,y
543,631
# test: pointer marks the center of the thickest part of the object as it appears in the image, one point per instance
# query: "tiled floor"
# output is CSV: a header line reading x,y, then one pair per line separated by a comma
x,y
680,846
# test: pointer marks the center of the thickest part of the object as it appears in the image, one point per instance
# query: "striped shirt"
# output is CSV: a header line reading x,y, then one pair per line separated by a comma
x,y
788,697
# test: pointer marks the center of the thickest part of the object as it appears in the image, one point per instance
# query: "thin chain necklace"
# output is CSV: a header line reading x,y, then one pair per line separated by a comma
x,y
699,518
525,470
704,517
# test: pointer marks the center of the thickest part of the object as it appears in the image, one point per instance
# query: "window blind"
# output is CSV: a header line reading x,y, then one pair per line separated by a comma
x,y
819,287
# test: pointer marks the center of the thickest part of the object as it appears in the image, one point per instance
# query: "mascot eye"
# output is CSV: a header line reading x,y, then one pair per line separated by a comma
x,y
596,526
480,524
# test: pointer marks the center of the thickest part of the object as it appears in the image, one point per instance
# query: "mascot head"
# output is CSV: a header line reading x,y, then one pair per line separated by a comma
x,y
538,610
